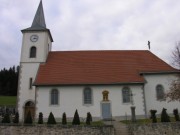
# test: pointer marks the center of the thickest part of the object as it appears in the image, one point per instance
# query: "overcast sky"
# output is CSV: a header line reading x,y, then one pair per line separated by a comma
x,y
93,25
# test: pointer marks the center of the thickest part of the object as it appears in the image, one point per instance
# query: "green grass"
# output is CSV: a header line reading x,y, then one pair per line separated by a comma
x,y
94,123
145,121
7,100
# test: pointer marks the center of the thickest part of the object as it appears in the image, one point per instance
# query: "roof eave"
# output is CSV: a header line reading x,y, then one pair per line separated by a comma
x,y
159,72
77,84
37,30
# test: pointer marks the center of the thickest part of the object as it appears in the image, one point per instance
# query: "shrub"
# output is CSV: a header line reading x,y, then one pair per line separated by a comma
x,y
64,120
153,116
76,120
176,114
89,118
28,119
6,118
40,120
16,118
51,119
164,116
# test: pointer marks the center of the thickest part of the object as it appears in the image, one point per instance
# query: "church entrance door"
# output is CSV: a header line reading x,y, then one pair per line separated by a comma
x,y
106,106
29,107
106,110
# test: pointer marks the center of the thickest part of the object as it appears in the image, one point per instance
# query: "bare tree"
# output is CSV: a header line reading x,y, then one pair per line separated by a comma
x,y
176,56
174,92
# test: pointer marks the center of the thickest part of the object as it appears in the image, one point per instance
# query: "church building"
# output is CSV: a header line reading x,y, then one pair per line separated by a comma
x,y
106,83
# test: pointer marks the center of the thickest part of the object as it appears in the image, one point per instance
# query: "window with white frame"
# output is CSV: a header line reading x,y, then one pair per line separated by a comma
x,y
160,92
54,97
126,95
87,93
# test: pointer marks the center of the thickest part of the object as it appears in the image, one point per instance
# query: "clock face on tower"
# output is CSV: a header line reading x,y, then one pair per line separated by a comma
x,y
34,38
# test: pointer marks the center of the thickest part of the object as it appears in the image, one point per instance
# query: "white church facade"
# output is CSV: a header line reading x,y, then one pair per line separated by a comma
x,y
105,83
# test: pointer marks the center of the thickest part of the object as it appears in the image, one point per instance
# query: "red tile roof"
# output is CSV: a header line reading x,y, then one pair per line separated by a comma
x,y
98,67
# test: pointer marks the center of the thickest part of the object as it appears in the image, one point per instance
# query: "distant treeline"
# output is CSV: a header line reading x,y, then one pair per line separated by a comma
x,y
9,81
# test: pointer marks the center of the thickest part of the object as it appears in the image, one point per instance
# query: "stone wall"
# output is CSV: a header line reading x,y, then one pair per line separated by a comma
x,y
56,130
156,129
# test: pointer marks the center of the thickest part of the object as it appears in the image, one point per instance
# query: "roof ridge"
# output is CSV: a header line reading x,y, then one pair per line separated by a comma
x,y
102,51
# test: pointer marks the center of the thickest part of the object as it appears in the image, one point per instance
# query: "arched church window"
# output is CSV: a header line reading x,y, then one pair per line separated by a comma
x,y
87,93
126,95
160,92
105,95
54,97
33,52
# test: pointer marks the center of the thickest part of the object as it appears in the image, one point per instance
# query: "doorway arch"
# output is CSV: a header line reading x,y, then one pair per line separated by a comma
x,y
29,107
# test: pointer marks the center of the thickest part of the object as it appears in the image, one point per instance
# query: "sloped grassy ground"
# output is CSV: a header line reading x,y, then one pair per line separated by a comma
x,y
7,100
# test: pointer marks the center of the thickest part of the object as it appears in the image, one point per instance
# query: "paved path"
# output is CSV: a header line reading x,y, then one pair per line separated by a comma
x,y
120,128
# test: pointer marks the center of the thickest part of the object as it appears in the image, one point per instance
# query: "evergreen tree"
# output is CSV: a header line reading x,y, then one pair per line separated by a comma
x,y
176,114
28,119
164,116
51,119
16,119
64,120
9,81
40,120
88,118
6,118
76,120
153,116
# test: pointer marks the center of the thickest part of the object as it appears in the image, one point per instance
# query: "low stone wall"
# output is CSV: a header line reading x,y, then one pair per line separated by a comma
x,y
56,130
156,129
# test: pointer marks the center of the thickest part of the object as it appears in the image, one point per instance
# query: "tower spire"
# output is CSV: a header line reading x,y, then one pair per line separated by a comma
x,y
39,19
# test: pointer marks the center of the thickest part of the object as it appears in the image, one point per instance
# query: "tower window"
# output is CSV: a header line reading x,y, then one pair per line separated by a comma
x,y
30,83
33,52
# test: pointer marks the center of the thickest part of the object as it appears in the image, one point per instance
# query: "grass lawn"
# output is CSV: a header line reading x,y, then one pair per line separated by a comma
x,y
94,123
146,121
7,100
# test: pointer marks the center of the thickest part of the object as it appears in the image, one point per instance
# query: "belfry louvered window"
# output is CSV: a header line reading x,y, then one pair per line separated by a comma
x,y
33,52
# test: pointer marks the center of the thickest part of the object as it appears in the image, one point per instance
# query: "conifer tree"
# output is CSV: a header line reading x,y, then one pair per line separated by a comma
x,y
51,119
76,120
88,118
64,120
16,118
176,114
153,116
40,120
6,118
164,116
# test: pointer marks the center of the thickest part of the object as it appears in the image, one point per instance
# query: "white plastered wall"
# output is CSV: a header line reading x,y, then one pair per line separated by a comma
x,y
27,71
150,93
71,98
29,66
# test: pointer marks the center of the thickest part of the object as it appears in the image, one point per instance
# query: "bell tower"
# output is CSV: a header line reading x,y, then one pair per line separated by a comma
x,y
36,45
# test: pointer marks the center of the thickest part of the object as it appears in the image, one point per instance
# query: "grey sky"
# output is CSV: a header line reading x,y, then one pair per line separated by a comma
x,y
93,25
